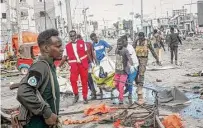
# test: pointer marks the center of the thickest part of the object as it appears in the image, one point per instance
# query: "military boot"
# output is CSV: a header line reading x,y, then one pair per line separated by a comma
x,y
140,94
93,96
176,62
171,61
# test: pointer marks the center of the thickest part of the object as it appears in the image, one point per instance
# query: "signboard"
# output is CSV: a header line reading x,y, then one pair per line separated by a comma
x,y
200,13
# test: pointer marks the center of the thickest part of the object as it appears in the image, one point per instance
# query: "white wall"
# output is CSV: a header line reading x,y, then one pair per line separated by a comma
x,y
50,18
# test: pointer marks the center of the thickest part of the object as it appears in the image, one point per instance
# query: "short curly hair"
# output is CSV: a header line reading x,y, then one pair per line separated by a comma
x,y
44,37
141,34
93,35
124,37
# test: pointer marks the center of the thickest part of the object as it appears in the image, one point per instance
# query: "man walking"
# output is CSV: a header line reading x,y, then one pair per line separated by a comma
x,y
158,43
142,47
133,69
91,60
78,61
100,47
174,40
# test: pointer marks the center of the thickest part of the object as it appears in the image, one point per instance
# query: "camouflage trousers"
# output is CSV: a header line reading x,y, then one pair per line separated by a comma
x,y
141,70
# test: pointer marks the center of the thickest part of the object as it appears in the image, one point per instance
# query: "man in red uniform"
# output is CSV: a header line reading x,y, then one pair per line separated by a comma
x,y
78,61
91,60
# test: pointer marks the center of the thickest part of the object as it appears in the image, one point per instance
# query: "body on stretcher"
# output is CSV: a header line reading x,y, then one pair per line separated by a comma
x,y
104,73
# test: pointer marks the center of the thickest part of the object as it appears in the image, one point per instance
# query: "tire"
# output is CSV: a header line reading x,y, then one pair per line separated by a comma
x,y
24,70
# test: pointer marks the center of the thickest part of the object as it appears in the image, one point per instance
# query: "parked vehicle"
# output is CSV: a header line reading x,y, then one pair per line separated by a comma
x,y
25,57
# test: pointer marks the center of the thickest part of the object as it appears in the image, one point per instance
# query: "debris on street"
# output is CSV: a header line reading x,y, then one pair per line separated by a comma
x,y
173,121
101,64
200,73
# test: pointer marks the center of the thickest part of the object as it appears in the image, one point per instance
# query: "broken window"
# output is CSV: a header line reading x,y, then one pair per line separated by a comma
x,y
2,1
3,15
42,13
22,0
24,12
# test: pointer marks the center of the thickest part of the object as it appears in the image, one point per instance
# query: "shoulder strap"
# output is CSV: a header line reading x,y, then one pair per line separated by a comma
x,y
49,77
42,88
53,89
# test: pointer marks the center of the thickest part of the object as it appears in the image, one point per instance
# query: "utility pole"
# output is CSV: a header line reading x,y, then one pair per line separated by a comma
x,y
18,13
68,12
132,20
9,41
190,6
141,15
62,31
45,14
155,11
85,21
132,26
183,17
161,7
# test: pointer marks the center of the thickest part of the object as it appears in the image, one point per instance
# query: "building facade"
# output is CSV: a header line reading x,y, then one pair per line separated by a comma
x,y
26,13
44,14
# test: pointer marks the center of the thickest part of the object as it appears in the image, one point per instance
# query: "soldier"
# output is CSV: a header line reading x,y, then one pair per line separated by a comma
x,y
142,46
43,107
158,43
174,39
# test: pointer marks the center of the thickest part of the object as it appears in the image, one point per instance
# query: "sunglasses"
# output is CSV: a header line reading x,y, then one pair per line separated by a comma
x,y
72,35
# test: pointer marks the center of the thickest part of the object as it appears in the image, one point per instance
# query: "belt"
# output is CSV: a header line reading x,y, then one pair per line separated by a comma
x,y
75,61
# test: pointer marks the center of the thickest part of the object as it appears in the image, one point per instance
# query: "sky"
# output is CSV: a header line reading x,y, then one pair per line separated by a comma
x,y
105,10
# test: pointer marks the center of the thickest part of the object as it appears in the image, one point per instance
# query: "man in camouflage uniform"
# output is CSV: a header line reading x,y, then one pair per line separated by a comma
x,y
142,46
158,43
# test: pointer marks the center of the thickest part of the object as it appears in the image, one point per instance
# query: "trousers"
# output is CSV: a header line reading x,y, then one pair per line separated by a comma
x,y
83,72
158,52
91,83
120,85
174,51
141,70
130,79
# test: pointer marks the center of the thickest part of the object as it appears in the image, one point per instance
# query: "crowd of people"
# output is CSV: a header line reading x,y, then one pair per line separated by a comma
x,y
39,93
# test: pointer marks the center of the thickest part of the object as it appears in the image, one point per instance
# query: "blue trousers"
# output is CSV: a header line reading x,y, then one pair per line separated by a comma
x,y
131,78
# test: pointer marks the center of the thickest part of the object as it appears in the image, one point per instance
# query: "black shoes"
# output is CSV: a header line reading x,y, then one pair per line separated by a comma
x,y
93,97
130,98
120,102
85,101
125,91
76,99
176,62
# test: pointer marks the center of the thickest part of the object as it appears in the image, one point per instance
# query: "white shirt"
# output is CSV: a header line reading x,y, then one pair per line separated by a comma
x,y
133,55
74,45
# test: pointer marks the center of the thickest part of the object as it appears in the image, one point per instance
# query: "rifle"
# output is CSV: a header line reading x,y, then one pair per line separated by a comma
x,y
162,45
